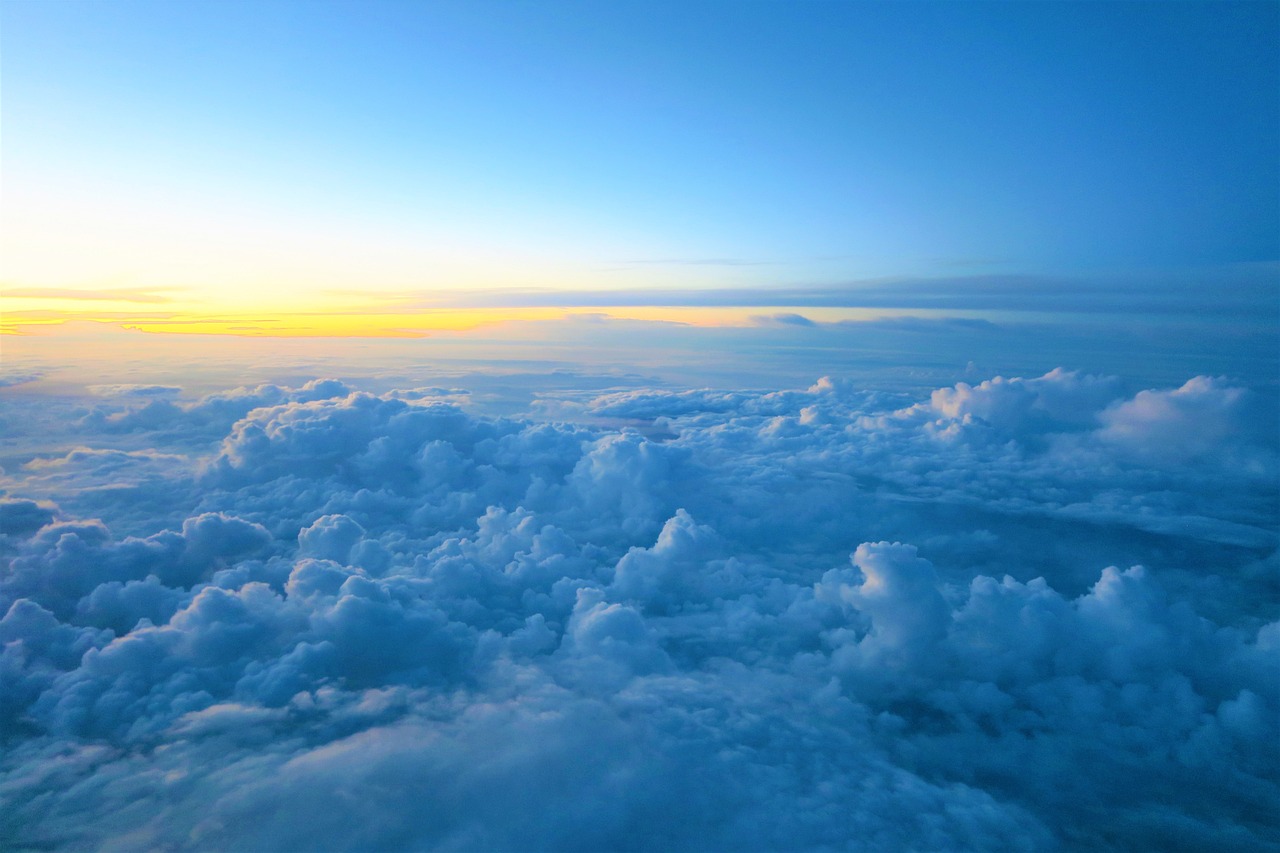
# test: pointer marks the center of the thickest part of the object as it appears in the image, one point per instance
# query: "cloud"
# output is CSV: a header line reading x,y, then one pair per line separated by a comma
x,y
11,379
1054,401
1239,291
118,294
782,319
134,390
789,619
1203,417
208,418
23,517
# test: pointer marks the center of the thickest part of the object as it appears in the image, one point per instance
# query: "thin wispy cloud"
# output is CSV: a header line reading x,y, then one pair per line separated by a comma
x,y
119,294
1242,289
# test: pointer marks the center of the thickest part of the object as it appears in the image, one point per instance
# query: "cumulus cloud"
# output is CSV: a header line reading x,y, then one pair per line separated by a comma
x,y
208,418
1058,399
23,517
1205,416
817,618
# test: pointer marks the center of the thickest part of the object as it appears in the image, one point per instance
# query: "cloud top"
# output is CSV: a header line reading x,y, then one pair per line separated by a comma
x,y
793,619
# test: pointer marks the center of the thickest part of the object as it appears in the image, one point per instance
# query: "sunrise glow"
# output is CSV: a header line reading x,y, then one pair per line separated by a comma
x,y
639,426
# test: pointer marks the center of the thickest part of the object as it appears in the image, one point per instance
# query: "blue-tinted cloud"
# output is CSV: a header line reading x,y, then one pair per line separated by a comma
x,y
790,619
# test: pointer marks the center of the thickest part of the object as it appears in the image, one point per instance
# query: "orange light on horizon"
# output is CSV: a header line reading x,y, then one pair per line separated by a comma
x,y
403,324
263,324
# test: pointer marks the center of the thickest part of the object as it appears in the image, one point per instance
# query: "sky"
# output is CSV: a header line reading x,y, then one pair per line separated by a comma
x,y
211,159
639,427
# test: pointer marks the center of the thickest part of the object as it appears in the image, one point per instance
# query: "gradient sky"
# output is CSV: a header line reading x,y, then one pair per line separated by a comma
x,y
280,156
744,426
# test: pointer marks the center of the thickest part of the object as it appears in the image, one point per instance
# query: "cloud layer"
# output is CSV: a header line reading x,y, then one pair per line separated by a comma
x,y
1021,614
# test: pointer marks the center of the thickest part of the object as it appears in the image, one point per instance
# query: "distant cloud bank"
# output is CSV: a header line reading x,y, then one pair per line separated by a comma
x,y
1234,290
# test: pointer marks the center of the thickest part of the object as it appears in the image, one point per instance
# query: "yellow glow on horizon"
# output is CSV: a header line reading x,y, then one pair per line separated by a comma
x,y
280,324
345,325
384,323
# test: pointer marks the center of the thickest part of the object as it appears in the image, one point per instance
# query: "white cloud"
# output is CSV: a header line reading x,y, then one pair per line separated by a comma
x,y
363,621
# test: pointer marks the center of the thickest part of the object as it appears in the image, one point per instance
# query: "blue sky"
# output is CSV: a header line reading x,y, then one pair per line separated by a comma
x,y
752,426
604,146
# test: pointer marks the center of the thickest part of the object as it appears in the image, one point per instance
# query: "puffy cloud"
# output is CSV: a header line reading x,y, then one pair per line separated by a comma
x,y
1204,417
381,621
684,568
65,561
1058,399
121,606
625,483
206,419
899,595
331,537
23,517
610,635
